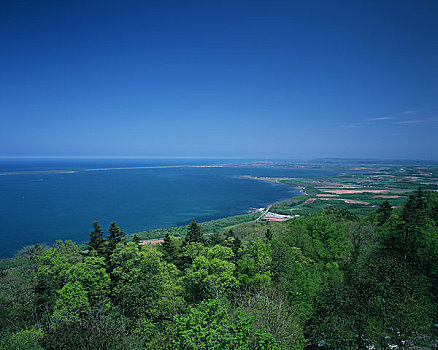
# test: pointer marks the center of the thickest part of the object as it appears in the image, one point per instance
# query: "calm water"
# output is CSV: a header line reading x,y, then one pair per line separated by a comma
x,y
42,207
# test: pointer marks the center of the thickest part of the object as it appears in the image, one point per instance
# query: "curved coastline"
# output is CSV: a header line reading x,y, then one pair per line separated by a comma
x,y
50,206
46,209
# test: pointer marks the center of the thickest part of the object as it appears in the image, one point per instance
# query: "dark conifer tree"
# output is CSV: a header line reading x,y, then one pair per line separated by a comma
x,y
194,233
115,236
166,247
96,238
414,209
136,239
215,239
432,206
413,229
383,213
170,250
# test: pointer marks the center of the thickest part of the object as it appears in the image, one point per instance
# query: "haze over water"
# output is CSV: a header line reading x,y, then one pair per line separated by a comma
x,y
42,206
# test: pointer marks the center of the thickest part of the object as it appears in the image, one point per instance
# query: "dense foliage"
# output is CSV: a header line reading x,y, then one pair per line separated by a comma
x,y
330,280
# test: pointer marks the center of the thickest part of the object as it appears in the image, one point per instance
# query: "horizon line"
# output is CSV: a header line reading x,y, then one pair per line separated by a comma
x,y
217,157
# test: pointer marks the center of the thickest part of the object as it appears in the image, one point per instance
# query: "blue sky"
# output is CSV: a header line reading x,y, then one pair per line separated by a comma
x,y
262,79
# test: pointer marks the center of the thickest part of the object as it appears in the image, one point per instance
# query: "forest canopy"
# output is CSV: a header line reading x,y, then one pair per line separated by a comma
x,y
329,280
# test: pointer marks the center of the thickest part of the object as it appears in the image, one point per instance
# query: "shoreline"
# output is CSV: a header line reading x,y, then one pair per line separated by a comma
x,y
249,211
278,180
66,171
400,182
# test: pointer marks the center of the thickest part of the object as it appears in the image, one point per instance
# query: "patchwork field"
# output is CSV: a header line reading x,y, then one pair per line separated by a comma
x,y
359,188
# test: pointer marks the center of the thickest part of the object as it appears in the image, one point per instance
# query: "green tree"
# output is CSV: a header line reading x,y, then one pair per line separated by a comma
x,y
194,233
215,239
136,239
411,237
255,265
171,249
125,261
190,252
362,237
415,206
17,299
330,327
72,302
96,238
211,274
383,213
296,276
114,237
52,267
93,278
400,303
145,285
211,327
329,238
432,206
233,242
411,232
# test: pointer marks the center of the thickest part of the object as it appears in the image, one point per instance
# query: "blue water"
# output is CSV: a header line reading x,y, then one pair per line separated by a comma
x,y
41,206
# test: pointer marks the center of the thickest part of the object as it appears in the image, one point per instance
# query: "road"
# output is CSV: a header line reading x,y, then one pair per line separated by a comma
x,y
264,212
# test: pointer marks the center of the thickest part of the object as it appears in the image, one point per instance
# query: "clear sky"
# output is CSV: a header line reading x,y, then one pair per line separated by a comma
x,y
219,78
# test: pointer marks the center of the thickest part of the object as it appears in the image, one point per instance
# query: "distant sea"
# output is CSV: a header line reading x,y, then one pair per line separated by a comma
x,y
42,200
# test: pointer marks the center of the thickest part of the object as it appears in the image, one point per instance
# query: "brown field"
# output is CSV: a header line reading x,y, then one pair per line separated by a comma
x,y
412,177
351,191
275,219
349,201
336,185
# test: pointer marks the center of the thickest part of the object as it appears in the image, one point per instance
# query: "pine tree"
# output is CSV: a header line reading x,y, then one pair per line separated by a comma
x,y
215,239
170,250
383,213
414,209
115,235
194,233
96,238
136,239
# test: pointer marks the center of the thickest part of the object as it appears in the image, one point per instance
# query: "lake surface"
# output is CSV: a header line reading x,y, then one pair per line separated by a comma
x,y
45,200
